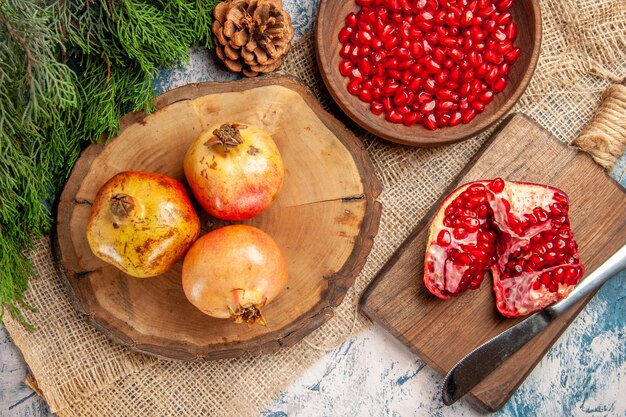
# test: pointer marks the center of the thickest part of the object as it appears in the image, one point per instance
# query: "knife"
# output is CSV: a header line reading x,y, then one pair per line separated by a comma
x,y
483,360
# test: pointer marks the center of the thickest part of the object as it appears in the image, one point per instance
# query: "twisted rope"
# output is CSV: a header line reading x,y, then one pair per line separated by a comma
x,y
605,136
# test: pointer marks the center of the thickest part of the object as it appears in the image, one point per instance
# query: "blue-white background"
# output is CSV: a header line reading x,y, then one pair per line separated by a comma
x,y
584,374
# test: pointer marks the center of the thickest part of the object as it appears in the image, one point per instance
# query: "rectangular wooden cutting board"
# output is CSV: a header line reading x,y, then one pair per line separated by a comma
x,y
442,332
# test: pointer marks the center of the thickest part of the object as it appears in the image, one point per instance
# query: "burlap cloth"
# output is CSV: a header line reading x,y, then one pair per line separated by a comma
x,y
81,373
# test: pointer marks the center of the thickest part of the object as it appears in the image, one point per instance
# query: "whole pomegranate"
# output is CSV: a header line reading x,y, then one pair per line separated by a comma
x,y
142,223
234,170
520,231
233,271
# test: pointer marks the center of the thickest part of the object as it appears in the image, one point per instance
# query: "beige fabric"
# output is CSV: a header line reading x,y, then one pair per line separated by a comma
x,y
81,373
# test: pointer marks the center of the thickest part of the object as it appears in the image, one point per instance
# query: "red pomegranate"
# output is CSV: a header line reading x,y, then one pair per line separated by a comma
x,y
520,231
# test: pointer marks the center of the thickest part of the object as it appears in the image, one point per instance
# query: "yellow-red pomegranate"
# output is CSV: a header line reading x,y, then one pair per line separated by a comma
x,y
519,231
233,272
234,170
142,223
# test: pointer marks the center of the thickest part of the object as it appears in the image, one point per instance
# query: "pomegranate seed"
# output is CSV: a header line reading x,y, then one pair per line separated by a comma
x,y
391,63
415,84
424,25
439,55
390,89
512,55
492,74
444,105
387,32
376,108
354,87
487,10
572,275
364,37
365,95
491,56
402,97
499,84
504,69
428,107
504,5
430,86
430,122
365,66
444,238
497,185
344,34
475,58
464,259
443,119
459,233
482,69
504,19
399,54
511,31
485,97
477,34
391,43
393,74
432,66
387,104
410,119
351,20
403,110
393,117
441,78
560,198
423,98
499,35
345,67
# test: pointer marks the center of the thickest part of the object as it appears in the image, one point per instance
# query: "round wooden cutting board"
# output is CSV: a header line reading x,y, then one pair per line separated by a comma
x,y
324,219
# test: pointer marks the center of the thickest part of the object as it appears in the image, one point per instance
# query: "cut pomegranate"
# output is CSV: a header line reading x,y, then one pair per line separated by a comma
x,y
520,231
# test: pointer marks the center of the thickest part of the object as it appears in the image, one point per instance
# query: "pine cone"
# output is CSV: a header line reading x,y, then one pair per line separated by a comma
x,y
252,36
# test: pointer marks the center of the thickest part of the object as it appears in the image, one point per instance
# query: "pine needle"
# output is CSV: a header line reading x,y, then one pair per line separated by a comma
x,y
69,69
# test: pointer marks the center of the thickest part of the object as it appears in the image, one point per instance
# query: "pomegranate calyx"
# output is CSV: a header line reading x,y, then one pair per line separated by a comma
x,y
250,314
122,205
227,135
519,231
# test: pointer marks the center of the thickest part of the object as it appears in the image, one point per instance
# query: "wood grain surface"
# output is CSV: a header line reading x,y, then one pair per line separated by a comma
x,y
442,332
330,20
324,219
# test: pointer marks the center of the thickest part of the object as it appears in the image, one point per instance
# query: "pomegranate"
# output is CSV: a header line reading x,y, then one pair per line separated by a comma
x,y
233,271
234,171
520,231
142,223
429,62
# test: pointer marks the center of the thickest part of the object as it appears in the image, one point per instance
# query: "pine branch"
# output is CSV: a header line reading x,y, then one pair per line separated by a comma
x,y
69,70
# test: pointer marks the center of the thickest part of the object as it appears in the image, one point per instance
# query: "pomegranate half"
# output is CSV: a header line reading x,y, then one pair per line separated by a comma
x,y
520,231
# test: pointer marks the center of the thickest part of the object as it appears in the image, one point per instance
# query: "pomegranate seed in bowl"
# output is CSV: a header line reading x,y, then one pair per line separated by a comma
x,y
459,53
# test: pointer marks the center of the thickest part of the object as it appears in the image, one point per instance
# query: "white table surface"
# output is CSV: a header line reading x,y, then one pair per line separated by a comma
x,y
372,374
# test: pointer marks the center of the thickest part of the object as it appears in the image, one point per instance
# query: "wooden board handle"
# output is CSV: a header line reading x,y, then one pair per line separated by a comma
x,y
605,136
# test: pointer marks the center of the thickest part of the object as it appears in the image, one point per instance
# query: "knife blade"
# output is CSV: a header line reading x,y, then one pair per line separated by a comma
x,y
486,358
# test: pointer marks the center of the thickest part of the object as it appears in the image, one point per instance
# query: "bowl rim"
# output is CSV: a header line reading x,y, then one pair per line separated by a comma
x,y
427,138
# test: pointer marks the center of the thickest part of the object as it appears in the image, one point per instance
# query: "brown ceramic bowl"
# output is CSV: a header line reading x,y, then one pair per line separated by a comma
x,y
330,20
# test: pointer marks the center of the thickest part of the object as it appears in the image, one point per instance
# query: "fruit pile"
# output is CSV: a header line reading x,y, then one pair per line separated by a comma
x,y
519,231
143,223
430,62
